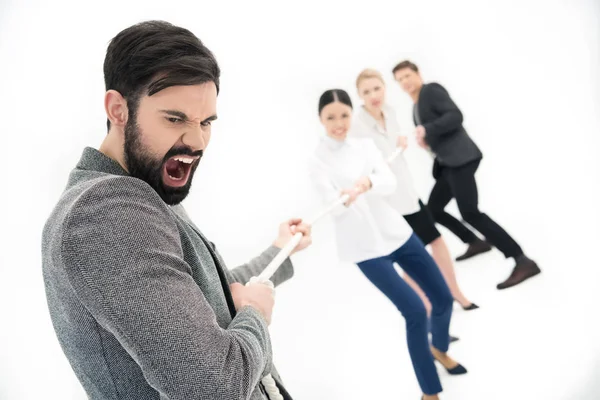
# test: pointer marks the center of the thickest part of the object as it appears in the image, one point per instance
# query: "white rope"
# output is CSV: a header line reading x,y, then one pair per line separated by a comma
x,y
265,276
396,153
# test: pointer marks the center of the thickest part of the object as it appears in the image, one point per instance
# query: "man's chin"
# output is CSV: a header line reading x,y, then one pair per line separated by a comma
x,y
174,198
173,195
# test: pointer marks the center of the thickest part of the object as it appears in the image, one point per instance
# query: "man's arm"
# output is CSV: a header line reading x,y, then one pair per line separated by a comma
x,y
450,117
254,267
123,257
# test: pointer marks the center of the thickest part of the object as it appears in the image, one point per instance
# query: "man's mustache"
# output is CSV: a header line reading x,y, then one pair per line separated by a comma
x,y
183,151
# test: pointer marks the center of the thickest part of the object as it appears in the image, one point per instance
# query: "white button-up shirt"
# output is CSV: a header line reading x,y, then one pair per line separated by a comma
x,y
370,227
405,198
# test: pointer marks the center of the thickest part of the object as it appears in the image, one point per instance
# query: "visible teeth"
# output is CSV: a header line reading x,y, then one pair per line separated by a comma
x,y
185,160
175,179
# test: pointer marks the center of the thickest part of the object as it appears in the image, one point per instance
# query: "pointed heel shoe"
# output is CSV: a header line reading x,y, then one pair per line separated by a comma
x,y
456,370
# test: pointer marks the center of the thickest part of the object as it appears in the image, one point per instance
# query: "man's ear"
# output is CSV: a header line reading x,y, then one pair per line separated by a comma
x,y
116,108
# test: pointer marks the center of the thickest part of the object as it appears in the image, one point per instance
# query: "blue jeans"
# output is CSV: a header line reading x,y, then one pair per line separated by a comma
x,y
420,266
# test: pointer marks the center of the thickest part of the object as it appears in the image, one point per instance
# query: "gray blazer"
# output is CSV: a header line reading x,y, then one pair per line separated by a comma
x,y
445,133
140,299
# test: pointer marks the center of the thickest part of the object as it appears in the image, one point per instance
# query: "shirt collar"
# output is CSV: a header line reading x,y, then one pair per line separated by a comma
x,y
333,144
370,120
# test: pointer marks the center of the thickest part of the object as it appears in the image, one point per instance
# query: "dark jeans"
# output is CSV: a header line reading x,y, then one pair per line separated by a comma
x,y
459,183
418,264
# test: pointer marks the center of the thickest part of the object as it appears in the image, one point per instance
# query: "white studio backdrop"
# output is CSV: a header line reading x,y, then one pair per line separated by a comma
x,y
526,76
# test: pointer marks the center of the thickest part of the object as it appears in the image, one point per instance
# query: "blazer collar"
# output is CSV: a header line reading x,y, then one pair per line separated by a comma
x,y
93,160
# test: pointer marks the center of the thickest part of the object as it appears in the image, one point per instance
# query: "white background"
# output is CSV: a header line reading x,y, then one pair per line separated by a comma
x,y
526,76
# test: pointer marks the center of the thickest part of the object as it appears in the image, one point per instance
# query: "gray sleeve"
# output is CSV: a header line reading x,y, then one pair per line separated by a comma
x,y
123,257
254,267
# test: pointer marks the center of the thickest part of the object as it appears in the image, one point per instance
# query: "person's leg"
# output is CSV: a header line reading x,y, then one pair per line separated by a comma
x,y
464,188
382,274
440,196
417,262
441,255
413,285
423,225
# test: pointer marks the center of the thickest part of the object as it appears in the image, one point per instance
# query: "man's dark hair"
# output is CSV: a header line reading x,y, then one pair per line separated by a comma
x,y
405,64
154,55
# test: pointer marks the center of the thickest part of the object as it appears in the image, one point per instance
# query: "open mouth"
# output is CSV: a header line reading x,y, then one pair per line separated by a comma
x,y
176,170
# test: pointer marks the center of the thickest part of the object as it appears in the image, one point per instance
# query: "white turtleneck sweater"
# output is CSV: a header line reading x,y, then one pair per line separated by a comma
x,y
405,198
370,227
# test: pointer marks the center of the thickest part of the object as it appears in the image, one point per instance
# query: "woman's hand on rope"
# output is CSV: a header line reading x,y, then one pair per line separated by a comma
x,y
363,184
402,142
352,195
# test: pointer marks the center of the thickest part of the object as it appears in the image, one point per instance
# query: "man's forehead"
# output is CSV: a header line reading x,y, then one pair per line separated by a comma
x,y
196,101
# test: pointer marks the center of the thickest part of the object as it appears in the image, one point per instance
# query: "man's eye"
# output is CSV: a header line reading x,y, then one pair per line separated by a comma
x,y
174,120
206,123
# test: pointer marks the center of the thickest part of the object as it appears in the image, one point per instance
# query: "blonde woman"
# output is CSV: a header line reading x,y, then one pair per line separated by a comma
x,y
376,120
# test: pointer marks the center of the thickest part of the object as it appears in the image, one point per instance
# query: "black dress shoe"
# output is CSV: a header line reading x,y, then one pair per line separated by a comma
x,y
470,307
524,270
475,248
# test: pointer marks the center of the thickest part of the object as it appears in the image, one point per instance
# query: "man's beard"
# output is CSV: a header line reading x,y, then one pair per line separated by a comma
x,y
142,165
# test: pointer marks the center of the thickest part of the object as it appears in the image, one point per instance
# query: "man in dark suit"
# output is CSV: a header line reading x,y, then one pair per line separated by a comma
x,y
439,130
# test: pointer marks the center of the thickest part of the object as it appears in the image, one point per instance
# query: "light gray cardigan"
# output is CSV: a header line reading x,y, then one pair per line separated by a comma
x,y
140,299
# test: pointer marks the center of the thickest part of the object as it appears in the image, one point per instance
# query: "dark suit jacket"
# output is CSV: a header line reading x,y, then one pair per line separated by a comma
x,y
445,134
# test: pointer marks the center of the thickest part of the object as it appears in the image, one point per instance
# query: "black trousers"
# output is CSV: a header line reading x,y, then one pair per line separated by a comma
x,y
459,183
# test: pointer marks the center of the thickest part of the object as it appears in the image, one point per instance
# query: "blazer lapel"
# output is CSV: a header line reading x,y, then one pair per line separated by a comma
x,y
419,108
220,270
228,297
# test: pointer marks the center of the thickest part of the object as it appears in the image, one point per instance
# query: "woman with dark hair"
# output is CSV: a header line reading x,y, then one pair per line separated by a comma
x,y
373,235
